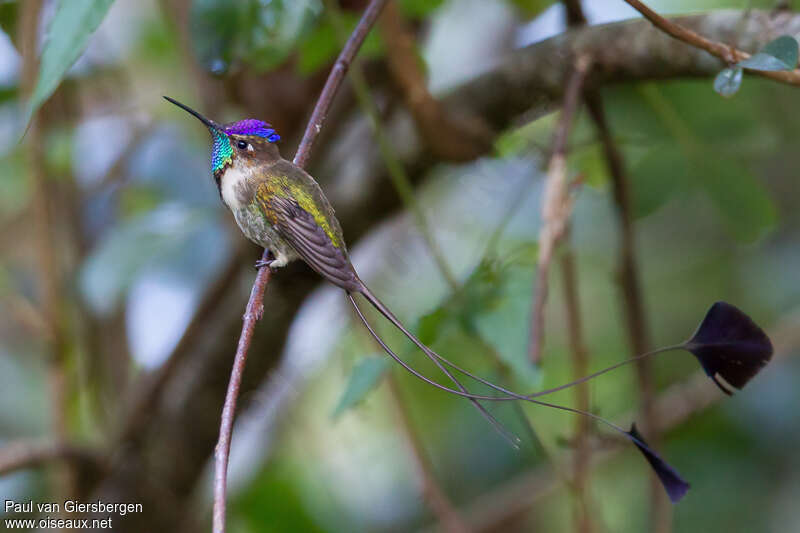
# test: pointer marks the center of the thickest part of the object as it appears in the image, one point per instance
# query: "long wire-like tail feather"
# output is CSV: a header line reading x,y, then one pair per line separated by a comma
x,y
505,432
509,395
432,354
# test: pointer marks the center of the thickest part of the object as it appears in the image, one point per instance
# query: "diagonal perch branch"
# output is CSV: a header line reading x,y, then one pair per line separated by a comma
x,y
255,305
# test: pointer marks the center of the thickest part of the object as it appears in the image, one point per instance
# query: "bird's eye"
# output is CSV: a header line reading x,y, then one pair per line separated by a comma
x,y
242,145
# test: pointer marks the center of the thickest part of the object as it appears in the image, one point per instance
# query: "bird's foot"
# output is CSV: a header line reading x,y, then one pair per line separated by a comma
x,y
261,263
260,312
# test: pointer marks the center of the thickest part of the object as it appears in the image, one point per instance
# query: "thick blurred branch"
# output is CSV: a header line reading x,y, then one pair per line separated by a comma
x,y
449,137
530,80
556,205
147,392
17,455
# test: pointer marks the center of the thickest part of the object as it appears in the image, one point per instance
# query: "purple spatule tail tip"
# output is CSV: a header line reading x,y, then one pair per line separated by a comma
x,y
730,345
673,483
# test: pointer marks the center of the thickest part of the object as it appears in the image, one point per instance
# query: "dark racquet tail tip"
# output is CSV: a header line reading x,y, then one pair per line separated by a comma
x,y
729,345
673,483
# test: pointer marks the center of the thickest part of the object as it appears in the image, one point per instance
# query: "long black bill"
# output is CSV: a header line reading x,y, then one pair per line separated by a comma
x,y
209,123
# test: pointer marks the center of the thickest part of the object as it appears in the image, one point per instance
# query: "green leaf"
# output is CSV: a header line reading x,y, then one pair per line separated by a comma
x,y
67,37
728,81
431,324
656,176
419,8
9,14
365,376
14,185
589,162
762,61
531,8
262,34
481,293
780,54
280,27
738,196
320,47
785,49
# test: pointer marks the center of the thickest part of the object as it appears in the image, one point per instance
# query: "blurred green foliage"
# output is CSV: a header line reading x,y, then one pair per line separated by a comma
x,y
366,375
67,36
713,183
262,34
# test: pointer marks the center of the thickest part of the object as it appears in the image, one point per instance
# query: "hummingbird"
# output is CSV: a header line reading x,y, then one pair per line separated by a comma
x,y
282,208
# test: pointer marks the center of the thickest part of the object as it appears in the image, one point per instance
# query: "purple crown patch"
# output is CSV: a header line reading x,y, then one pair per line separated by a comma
x,y
254,127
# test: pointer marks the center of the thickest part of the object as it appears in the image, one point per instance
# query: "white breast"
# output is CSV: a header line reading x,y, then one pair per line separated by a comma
x,y
232,180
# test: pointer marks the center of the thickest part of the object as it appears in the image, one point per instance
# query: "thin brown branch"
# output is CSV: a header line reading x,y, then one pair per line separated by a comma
x,y
48,260
580,367
449,137
661,508
728,53
575,14
437,499
584,523
556,206
675,406
255,305
21,454
636,323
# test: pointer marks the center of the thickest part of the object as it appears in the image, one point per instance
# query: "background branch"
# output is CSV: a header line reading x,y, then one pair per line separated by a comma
x,y
556,205
628,279
584,521
636,323
52,300
438,501
17,455
449,137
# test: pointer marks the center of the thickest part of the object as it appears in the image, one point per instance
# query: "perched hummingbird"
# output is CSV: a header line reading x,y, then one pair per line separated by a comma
x,y
279,206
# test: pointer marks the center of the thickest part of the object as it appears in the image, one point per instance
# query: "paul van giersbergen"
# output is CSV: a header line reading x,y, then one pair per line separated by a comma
x,y
72,506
